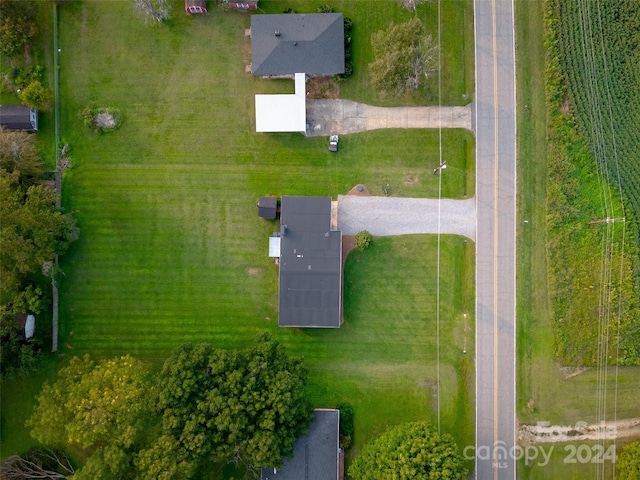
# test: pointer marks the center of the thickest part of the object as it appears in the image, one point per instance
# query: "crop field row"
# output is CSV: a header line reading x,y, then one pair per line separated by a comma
x,y
600,52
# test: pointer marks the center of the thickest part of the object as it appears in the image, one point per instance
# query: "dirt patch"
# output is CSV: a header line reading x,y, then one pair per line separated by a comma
x,y
47,266
359,191
105,120
544,433
348,244
254,272
410,180
322,87
246,55
570,372
566,106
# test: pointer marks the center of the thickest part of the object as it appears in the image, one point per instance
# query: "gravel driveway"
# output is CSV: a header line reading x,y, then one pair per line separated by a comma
x,y
401,216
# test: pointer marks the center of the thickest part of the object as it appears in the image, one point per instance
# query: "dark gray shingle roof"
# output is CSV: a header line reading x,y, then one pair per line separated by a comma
x,y
315,455
18,117
310,292
311,43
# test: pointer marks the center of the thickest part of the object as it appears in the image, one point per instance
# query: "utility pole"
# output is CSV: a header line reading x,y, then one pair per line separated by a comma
x,y
440,167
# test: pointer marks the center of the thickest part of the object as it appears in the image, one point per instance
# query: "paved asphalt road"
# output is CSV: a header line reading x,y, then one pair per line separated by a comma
x,y
495,239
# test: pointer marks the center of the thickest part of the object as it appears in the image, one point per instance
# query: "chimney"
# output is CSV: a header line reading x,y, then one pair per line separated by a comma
x,y
277,33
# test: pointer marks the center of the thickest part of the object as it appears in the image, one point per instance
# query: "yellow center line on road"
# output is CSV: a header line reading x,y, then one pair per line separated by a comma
x,y
495,243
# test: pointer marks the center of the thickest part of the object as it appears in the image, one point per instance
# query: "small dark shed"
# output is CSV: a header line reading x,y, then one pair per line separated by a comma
x,y
267,207
195,6
18,117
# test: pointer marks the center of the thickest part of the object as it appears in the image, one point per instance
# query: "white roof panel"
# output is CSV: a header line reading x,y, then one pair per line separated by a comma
x,y
283,113
274,247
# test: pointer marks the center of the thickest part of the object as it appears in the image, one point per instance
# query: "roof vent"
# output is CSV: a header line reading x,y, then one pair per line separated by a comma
x,y
295,43
277,33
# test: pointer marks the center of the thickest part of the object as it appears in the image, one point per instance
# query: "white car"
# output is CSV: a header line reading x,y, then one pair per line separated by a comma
x,y
333,143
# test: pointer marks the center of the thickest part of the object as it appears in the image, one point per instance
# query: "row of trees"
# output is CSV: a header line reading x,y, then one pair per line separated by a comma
x,y
206,408
32,232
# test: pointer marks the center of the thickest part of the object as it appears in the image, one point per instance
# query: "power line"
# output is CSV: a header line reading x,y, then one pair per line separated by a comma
x,y
439,171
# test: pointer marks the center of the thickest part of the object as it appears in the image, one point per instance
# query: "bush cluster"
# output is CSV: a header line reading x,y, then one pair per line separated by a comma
x,y
363,240
91,118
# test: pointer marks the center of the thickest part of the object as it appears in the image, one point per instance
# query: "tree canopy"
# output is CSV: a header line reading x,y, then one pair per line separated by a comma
x,y
405,57
31,231
247,406
35,95
104,403
207,407
17,26
410,451
628,462
19,152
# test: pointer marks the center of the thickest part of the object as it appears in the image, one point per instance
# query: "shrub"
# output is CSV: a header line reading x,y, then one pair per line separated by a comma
x,y
36,96
348,25
346,425
324,9
101,120
363,240
24,75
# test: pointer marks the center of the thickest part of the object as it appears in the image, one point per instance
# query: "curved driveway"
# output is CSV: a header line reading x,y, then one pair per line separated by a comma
x,y
402,216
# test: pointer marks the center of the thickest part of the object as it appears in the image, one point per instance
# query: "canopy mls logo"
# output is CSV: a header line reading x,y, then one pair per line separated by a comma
x,y
539,455
501,455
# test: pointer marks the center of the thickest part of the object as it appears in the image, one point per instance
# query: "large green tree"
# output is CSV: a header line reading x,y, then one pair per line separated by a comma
x,y
410,451
18,151
405,58
31,231
628,462
94,404
247,406
17,26
37,96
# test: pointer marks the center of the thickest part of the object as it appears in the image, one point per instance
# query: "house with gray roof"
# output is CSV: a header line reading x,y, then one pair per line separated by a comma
x,y
310,258
316,454
18,117
286,44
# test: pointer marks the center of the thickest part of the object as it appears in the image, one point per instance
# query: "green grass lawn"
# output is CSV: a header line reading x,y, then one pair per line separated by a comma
x,y
555,399
382,360
171,249
573,461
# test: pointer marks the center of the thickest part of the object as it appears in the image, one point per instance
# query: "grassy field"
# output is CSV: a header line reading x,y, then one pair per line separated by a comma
x,y
572,461
171,249
553,397
382,360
